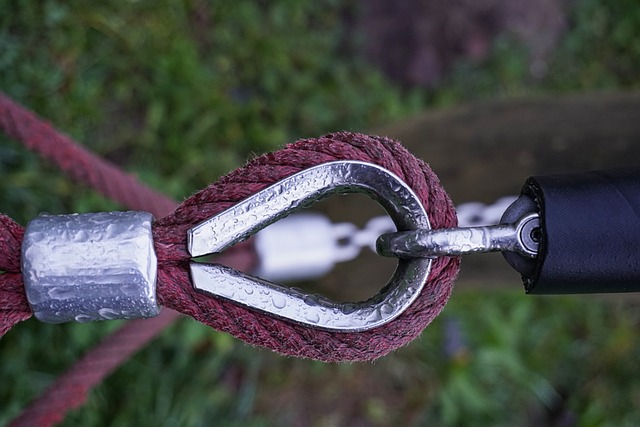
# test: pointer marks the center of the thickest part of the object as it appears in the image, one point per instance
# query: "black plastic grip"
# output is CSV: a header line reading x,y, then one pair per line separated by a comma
x,y
590,232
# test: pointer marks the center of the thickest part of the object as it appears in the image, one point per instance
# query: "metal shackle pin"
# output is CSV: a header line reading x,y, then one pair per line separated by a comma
x,y
523,238
95,266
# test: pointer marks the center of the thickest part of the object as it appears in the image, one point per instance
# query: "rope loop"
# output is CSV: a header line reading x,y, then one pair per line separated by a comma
x,y
176,291
174,287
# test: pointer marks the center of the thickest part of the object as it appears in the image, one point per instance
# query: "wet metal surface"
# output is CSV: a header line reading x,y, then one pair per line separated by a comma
x,y
84,267
287,196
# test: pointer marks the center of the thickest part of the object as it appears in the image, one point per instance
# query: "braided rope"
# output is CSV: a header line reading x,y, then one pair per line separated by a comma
x,y
79,163
13,302
175,289
174,286
71,388
170,234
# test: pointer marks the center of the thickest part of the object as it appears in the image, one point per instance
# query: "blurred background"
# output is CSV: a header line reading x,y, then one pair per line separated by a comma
x,y
488,92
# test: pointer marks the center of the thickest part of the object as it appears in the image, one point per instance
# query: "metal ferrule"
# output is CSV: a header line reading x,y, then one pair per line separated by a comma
x,y
95,266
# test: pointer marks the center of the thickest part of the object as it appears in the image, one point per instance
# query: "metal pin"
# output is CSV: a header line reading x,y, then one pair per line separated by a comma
x,y
522,237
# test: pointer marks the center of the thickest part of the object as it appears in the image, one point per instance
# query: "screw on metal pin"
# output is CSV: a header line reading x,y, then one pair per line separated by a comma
x,y
285,197
522,237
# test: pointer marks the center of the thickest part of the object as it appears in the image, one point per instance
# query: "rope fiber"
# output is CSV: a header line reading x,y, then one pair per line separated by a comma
x,y
78,162
14,307
174,285
70,390
175,291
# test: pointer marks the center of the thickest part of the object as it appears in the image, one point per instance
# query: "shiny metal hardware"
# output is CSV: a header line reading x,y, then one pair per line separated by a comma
x,y
284,197
307,245
94,266
523,237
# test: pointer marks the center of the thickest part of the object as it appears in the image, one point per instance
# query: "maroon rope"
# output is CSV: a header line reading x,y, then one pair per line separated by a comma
x,y
70,390
79,163
174,285
175,289
14,307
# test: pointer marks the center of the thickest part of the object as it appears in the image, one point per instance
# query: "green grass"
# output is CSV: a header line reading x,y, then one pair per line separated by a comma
x,y
179,93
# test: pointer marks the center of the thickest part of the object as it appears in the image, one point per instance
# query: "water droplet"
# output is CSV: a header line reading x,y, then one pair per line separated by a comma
x,y
130,314
374,316
83,318
311,300
111,231
227,292
108,313
278,301
386,309
349,308
37,236
81,236
312,316
131,290
62,292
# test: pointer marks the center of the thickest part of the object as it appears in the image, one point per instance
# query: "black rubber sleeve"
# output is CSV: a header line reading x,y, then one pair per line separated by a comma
x,y
590,232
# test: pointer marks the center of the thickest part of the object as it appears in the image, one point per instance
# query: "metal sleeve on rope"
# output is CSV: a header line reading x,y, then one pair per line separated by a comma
x,y
174,288
95,266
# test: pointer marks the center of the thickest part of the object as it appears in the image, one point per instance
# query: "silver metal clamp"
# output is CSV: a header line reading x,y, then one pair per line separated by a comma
x,y
96,266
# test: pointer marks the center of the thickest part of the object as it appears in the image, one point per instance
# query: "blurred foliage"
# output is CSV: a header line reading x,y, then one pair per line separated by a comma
x,y
180,92
599,52
517,361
